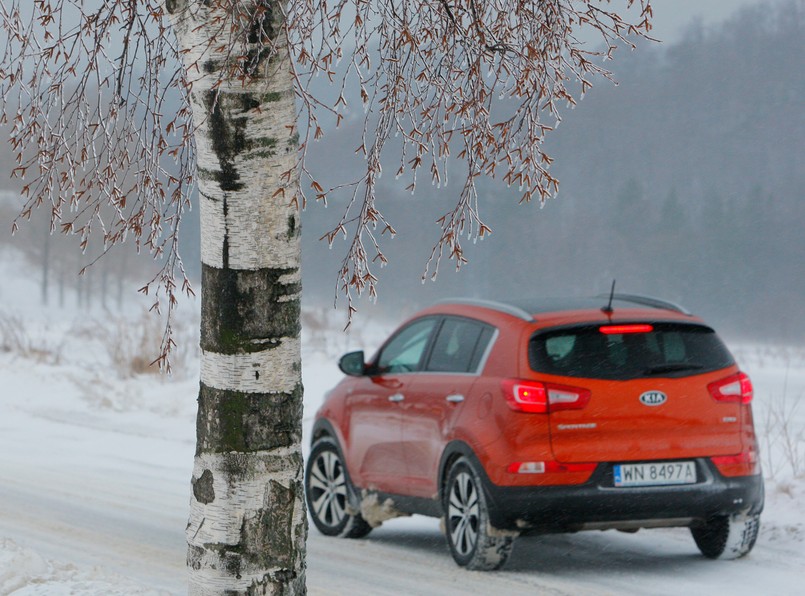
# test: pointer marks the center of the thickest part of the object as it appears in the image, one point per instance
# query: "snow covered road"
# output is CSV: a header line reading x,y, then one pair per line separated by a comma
x,y
145,545
660,562
100,493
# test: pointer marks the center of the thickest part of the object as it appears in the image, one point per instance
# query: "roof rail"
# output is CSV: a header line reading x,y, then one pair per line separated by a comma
x,y
491,304
650,301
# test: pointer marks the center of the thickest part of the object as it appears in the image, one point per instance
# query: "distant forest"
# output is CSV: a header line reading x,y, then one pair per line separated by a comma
x,y
685,181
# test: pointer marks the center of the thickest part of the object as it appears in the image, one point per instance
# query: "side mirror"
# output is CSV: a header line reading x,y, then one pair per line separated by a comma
x,y
353,364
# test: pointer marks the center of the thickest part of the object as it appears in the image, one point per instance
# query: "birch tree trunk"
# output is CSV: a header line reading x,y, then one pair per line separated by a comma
x,y
247,527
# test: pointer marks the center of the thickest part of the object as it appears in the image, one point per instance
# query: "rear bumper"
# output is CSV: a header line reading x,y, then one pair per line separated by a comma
x,y
598,504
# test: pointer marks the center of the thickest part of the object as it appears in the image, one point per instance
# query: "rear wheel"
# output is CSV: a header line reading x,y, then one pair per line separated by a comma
x,y
473,542
727,536
329,493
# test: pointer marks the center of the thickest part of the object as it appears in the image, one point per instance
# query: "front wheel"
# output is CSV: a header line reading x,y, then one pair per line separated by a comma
x,y
473,542
727,536
328,492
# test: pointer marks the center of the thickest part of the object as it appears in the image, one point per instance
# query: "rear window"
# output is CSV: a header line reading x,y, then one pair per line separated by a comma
x,y
668,350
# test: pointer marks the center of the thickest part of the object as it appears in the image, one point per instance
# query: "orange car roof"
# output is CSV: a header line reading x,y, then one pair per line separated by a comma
x,y
543,310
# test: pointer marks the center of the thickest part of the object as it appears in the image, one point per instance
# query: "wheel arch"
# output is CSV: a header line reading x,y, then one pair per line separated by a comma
x,y
353,525
452,452
324,428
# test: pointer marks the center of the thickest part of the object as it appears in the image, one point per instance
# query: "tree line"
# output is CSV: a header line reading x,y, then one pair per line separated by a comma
x,y
684,181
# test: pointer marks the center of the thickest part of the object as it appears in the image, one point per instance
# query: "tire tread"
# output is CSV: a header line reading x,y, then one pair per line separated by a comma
x,y
727,537
494,546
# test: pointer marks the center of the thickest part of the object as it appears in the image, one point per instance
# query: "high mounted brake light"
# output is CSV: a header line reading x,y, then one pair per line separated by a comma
x,y
621,329
541,398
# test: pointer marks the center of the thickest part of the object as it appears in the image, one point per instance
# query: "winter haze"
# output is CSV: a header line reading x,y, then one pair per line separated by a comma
x,y
684,181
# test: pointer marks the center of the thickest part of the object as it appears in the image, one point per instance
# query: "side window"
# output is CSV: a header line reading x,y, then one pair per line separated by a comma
x,y
403,353
459,346
559,347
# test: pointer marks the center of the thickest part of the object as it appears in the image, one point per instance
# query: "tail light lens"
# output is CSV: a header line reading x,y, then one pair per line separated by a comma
x,y
526,396
542,398
743,464
736,388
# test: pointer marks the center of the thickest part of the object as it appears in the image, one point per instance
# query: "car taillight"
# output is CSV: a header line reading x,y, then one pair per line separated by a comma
x,y
736,388
541,398
526,396
743,464
621,329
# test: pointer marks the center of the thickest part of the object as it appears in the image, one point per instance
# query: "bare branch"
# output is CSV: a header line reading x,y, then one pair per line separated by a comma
x,y
481,79
90,98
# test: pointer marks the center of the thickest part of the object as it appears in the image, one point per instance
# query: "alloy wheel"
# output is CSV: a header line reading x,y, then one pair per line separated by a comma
x,y
328,489
463,513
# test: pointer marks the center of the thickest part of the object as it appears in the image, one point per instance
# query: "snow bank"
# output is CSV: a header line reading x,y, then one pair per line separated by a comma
x,y
24,572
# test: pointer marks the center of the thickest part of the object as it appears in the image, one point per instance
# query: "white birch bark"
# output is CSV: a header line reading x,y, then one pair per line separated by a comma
x,y
247,523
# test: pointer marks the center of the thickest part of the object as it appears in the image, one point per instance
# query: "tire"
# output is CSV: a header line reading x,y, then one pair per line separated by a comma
x,y
727,536
473,542
330,495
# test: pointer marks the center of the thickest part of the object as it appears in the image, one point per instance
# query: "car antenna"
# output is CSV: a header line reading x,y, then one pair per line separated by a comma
x,y
608,308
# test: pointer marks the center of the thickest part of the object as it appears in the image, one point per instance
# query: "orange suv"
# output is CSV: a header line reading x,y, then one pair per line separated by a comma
x,y
621,412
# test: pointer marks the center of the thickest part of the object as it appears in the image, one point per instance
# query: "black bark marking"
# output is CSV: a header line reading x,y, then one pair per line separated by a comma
x,y
261,36
262,30
268,536
277,527
225,245
228,139
195,555
231,421
242,309
203,489
282,582
248,102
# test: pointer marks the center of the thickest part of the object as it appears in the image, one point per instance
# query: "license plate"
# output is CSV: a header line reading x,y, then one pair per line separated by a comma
x,y
656,474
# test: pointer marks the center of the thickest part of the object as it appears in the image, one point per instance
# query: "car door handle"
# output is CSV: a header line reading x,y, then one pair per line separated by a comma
x,y
455,398
396,397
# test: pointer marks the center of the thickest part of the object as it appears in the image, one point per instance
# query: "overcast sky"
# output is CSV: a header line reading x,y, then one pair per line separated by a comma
x,y
672,17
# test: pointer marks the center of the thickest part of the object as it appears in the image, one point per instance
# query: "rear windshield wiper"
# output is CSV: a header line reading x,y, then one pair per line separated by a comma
x,y
671,367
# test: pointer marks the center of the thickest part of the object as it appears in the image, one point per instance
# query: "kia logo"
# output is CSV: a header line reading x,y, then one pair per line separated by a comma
x,y
653,398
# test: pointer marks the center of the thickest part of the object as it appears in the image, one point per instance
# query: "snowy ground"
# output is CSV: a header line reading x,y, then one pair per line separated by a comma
x,y
95,471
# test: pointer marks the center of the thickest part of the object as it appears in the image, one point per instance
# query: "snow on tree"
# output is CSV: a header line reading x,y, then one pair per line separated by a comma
x,y
87,87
